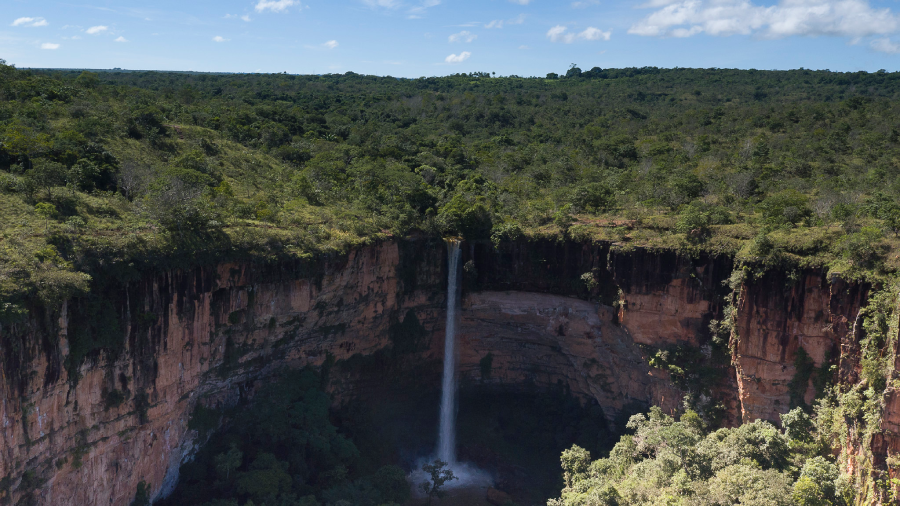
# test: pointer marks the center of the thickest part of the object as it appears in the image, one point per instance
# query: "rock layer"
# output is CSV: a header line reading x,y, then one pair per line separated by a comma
x,y
547,313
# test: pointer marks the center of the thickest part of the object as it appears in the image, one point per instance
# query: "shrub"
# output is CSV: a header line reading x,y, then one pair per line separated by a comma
x,y
787,207
593,198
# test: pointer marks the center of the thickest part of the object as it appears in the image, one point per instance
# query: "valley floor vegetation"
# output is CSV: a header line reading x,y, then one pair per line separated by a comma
x,y
680,462
283,450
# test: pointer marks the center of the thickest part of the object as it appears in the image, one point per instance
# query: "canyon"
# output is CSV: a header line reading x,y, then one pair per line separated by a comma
x,y
588,316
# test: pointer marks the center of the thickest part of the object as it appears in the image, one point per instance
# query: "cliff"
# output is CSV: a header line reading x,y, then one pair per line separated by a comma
x,y
87,431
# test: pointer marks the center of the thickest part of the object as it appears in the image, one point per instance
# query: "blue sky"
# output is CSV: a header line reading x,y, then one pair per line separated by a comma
x,y
412,38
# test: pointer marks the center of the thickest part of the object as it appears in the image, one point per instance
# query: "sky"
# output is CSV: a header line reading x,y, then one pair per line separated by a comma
x,y
413,38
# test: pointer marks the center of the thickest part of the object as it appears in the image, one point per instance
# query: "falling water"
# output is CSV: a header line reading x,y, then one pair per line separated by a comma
x,y
447,436
467,476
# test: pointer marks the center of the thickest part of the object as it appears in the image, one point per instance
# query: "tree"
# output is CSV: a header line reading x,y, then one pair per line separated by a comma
x,y
228,462
46,211
440,475
46,175
391,484
575,463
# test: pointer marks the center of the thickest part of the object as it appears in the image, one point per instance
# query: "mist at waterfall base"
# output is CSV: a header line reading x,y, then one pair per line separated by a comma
x,y
467,475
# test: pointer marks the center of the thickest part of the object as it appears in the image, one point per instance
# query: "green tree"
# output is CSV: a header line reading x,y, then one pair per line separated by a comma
x,y
439,476
818,482
227,463
391,484
47,175
575,463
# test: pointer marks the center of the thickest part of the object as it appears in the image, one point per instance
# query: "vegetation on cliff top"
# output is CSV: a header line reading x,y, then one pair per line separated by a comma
x,y
121,171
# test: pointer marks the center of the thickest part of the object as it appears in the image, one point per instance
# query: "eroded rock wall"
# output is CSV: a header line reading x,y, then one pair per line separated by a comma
x,y
211,335
776,316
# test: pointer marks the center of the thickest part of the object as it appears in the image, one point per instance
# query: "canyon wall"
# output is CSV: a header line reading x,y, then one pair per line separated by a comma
x,y
546,313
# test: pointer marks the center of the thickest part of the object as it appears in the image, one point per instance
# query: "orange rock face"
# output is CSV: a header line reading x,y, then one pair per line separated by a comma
x,y
775,318
548,339
212,335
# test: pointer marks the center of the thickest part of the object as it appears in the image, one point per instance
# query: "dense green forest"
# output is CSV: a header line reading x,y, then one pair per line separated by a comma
x,y
108,173
669,462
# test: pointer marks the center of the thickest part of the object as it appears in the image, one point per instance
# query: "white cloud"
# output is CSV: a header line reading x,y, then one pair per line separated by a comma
x,y
30,22
94,30
499,23
219,38
461,57
246,17
49,45
524,47
560,33
594,34
581,4
121,39
389,4
885,45
419,10
684,18
274,5
521,2
331,44
463,36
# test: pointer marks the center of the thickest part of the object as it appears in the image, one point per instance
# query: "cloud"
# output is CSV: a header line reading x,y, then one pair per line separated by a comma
x,y
463,36
461,57
219,38
581,4
885,45
246,17
560,33
524,47
30,22
521,2
389,4
594,34
843,18
121,39
94,30
49,45
499,23
331,44
417,11
274,5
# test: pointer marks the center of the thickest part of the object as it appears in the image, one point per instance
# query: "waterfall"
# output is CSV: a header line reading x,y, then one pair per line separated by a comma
x,y
446,450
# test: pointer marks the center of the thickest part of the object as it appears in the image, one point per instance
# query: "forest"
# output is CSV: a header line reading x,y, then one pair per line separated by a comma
x,y
107,175
134,170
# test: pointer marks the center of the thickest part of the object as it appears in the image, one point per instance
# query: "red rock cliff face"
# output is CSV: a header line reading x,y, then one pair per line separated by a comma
x,y
777,316
203,333
211,335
